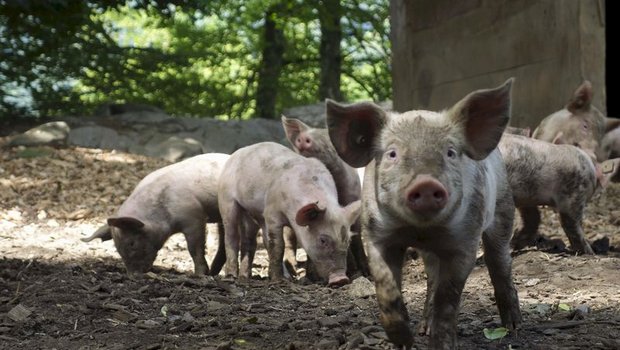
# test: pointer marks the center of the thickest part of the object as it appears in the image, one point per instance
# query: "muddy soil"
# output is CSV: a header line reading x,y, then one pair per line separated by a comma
x,y
57,292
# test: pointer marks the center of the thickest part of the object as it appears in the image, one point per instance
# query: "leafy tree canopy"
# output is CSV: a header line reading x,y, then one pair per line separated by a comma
x,y
190,58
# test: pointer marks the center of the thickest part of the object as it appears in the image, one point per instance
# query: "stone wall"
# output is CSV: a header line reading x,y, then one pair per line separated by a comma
x,y
444,49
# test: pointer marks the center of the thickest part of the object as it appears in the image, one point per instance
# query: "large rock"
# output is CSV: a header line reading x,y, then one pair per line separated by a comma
x,y
314,115
52,133
98,137
149,131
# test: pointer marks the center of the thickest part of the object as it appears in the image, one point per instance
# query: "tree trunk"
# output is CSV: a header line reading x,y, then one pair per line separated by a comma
x,y
271,66
331,58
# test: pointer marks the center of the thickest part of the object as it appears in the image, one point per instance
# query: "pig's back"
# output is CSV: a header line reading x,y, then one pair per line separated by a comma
x,y
189,185
256,170
539,171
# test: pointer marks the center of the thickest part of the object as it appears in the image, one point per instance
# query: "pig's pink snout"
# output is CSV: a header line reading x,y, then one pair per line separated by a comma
x,y
427,195
338,279
304,143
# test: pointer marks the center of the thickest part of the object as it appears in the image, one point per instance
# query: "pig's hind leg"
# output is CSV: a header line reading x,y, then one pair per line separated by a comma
x,y
249,231
220,255
571,223
232,236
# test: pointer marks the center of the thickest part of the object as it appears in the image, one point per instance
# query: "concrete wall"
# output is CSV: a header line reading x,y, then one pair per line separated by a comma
x,y
444,49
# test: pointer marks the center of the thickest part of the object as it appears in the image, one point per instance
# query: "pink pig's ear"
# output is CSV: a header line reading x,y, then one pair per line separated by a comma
x,y
484,115
292,128
126,223
353,130
582,98
308,213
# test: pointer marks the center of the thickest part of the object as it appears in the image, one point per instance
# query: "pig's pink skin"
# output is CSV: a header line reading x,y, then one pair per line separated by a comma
x,y
542,173
457,150
579,124
314,143
561,176
276,187
181,197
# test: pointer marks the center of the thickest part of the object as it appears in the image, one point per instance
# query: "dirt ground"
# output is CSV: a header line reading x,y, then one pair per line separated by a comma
x,y
57,292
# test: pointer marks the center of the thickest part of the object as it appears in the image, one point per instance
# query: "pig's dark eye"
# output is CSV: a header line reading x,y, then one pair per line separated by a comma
x,y
391,154
451,153
324,241
360,140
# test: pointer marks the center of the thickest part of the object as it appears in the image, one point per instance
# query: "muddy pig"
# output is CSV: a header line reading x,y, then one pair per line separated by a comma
x,y
561,176
434,181
276,187
180,197
315,143
579,124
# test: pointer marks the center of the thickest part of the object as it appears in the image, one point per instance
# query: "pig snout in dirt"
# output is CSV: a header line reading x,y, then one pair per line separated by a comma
x,y
314,143
284,189
579,124
180,197
434,181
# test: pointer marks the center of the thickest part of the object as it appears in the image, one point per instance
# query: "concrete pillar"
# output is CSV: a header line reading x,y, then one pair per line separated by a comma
x,y
444,49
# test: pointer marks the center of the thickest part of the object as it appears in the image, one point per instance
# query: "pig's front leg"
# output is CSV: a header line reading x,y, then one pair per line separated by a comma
x,y
496,244
386,268
453,271
431,267
571,223
290,250
220,255
196,239
273,230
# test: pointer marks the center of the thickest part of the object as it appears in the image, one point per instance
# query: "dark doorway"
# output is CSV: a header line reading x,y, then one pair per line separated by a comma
x,y
612,65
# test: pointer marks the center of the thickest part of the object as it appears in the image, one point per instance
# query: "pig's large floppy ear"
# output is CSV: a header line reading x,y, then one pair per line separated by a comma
x,y
308,213
126,223
484,115
582,98
292,128
353,129
102,232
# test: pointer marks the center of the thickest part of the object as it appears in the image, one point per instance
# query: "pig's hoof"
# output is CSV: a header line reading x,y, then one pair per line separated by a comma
x,y
424,328
400,335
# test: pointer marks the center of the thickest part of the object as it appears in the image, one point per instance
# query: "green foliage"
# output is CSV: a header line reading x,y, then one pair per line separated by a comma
x,y
190,58
496,333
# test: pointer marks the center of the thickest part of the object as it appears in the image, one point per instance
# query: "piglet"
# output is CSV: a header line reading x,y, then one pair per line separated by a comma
x,y
314,143
561,176
579,124
276,187
180,197
434,181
